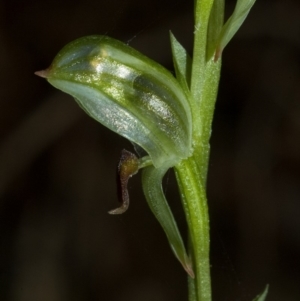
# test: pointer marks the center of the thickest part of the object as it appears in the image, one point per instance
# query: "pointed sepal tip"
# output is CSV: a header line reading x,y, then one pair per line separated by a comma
x,y
42,73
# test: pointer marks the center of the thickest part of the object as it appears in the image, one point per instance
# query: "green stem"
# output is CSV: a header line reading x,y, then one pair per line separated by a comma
x,y
192,173
195,206
191,177
204,78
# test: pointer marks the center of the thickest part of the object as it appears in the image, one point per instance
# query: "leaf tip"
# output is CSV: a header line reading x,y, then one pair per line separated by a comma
x,y
187,265
188,268
218,54
263,295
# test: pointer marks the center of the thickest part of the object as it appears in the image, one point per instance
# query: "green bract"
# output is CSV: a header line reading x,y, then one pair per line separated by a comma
x,y
141,101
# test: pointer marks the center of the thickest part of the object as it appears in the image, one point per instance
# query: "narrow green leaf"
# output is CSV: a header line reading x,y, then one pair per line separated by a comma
x,y
263,295
151,180
182,64
233,24
216,21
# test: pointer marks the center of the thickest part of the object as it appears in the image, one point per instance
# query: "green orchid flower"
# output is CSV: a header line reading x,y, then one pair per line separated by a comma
x,y
139,100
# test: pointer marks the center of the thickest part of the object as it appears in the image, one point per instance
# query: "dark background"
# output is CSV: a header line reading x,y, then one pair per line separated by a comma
x,y
58,166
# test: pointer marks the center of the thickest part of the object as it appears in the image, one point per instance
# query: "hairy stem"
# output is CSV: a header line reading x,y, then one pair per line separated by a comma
x,y
192,173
